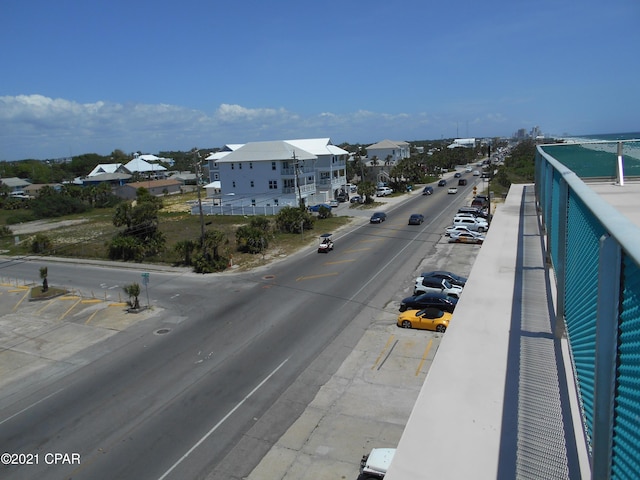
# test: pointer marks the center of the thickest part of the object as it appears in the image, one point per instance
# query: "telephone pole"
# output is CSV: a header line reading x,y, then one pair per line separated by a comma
x,y
197,163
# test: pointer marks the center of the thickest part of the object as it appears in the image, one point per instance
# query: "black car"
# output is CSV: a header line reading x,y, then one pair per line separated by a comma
x,y
449,276
427,190
429,300
442,183
378,217
416,219
475,211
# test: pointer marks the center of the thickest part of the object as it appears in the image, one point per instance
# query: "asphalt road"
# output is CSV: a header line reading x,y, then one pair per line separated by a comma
x,y
144,405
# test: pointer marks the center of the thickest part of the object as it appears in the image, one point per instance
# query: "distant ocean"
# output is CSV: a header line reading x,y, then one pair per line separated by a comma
x,y
597,155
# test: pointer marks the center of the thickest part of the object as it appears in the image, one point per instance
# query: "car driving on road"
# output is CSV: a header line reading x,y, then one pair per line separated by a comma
x,y
416,219
378,217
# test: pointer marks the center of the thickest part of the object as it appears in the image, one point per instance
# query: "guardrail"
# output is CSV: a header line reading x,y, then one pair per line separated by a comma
x,y
595,253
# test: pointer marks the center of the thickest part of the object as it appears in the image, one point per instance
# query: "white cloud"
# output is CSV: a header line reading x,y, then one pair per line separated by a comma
x,y
35,126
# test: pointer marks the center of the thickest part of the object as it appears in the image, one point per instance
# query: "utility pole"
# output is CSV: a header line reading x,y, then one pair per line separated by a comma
x,y
295,169
489,184
197,163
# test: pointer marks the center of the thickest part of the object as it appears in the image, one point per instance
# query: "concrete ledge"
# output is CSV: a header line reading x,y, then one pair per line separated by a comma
x,y
456,427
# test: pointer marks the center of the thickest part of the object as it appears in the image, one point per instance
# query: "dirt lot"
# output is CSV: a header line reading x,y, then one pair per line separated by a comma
x,y
42,225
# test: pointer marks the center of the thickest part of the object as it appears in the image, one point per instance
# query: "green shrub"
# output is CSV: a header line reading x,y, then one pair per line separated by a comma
x,y
40,243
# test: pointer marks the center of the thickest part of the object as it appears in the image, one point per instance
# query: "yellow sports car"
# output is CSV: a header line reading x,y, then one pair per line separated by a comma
x,y
426,319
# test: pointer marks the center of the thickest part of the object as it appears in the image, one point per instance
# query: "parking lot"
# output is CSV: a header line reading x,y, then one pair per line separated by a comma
x,y
36,334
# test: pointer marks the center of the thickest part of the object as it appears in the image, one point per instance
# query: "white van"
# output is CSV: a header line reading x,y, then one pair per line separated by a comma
x,y
376,463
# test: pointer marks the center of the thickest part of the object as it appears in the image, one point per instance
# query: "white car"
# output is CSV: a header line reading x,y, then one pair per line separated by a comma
x,y
473,224
436,285
459,228
476,173
468,170
452,190
383,191
466,237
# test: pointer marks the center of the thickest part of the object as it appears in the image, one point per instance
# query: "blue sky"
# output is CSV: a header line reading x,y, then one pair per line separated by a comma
x,y
94,76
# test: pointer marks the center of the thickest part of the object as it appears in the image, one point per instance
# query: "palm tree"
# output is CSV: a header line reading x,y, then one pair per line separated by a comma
x,y
133,290
43,275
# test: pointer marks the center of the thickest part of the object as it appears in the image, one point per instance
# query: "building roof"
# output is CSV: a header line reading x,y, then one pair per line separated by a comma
x,y
318,146
107,177
105,168
267,152
14,182
140,165
388,144
224,151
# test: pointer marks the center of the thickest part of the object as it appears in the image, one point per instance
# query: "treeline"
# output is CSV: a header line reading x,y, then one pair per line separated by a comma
x,y
50,171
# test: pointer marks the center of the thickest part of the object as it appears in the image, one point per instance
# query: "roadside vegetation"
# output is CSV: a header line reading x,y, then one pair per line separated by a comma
x,y
96,224
162,230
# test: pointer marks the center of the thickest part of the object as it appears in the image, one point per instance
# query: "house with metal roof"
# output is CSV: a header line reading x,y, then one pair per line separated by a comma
x,y
151,170
108,168
388,152
15,184
265,174
330,166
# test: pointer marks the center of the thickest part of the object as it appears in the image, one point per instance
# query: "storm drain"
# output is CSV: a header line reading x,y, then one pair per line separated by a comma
x,y
162,331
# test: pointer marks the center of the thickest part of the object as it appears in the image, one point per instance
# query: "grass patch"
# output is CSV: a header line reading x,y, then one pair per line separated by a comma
x,y
38,294
90,238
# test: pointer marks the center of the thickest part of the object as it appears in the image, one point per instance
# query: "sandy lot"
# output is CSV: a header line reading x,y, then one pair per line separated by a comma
x,y
42,225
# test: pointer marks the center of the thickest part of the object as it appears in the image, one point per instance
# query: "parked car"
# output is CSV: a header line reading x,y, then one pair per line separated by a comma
x,y
416,219
375,464
442,183
436,285
479,203
333,203
429,300
452,230
356,199
378,217
466,237
342,197
383,191
452,190
451,277
427,191
476,211
473,224
457,175
316,208
427,319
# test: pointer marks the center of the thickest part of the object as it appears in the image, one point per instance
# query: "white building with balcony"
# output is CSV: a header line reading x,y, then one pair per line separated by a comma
x,y
264,174
330,166
388,152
